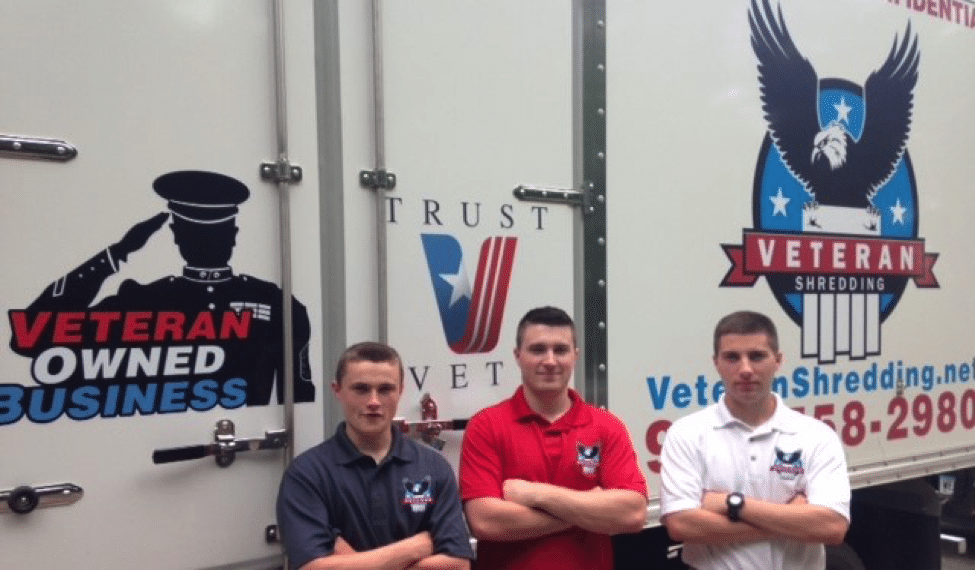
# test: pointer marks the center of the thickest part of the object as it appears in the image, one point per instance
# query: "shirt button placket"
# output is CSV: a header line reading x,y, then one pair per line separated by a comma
x,y
377,504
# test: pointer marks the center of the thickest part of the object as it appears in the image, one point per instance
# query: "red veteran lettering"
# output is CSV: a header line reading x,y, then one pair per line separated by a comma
x,y
100,327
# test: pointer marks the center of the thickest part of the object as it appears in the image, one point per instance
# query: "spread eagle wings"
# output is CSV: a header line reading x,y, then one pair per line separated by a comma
x,y
789,91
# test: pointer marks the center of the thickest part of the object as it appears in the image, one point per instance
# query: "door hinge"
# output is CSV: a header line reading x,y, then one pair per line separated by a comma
x,y
281,172
377,179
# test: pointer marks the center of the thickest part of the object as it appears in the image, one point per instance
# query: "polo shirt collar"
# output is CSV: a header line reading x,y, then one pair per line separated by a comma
x,y
348,453
578,414
781,420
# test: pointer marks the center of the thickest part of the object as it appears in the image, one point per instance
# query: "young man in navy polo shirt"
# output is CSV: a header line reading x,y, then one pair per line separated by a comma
x,y
545,477
368,497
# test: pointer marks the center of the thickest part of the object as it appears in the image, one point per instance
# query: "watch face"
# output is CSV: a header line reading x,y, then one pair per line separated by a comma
x,y
735,499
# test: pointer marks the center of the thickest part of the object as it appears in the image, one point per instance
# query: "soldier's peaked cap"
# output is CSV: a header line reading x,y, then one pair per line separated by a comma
x,y
201,196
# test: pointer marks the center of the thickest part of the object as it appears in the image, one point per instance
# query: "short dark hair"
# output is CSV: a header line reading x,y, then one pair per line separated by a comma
x,y
746,322
367,352
549,316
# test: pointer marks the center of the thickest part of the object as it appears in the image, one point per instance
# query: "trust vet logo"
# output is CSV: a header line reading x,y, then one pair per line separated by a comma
x,y
471,311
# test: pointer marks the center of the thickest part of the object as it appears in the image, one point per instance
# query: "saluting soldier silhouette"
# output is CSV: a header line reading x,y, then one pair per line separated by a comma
x,y
203,208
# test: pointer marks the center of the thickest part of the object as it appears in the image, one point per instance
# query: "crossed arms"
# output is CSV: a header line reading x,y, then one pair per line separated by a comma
x,y
311,509
504,506
759,520
695,509
531,509
411,553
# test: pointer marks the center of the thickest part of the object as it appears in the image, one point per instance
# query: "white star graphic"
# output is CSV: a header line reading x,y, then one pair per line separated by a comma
x,y
779,202
459,284
899,212
842,110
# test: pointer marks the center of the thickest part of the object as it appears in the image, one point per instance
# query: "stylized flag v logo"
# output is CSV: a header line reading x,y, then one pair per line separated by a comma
x,y
471,319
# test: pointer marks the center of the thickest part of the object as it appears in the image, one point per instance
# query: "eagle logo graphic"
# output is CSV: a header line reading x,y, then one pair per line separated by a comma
x,y
788,465
417,494
840,162
834,201
588,457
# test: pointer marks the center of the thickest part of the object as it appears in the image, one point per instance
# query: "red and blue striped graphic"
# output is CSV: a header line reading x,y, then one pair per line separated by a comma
x,y
471,313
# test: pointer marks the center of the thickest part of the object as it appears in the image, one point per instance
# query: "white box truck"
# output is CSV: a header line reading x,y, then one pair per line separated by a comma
x,y
423,173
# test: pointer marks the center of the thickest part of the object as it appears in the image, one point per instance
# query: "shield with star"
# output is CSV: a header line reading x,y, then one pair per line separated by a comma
x,y
839,305
835,205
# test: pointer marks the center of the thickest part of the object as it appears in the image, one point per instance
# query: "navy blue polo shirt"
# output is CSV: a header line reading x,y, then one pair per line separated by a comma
x,y
335,490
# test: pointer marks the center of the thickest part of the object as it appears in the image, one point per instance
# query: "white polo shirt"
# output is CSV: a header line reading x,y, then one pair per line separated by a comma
x,y
710,450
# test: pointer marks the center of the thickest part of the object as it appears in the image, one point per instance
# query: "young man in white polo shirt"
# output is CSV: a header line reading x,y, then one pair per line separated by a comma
x,y
748,482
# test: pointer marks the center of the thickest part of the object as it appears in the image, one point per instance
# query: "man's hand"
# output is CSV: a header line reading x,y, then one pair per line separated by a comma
x,y
798,499
714,501
343,547
137,236
424,543
525,493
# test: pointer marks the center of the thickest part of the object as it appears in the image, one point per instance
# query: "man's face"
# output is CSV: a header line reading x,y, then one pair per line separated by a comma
x,y
546,357
747,365
369,394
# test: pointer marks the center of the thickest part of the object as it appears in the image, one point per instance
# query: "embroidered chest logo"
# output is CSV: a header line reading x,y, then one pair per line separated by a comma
x,y
588,457
789,465
417,494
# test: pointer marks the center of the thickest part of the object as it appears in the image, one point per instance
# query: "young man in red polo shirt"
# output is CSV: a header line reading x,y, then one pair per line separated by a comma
x,y
545,477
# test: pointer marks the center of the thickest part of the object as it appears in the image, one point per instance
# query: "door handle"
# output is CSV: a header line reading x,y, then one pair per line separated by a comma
x,y
224,448
429,428
36,148
24,499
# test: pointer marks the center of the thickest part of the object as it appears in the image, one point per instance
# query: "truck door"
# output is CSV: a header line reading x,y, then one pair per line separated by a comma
x,y
476,103
143,351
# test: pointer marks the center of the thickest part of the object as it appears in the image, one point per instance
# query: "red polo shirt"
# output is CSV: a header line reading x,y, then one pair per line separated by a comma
x,y
587,447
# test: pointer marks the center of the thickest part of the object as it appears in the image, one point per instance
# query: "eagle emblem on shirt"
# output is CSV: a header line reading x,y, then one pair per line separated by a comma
x,y
588,457
788,464
417,494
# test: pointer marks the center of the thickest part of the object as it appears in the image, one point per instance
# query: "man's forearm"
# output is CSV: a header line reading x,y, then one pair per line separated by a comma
x,y
491,518
802,522
441,562
706,527
796,520
395,556
606,511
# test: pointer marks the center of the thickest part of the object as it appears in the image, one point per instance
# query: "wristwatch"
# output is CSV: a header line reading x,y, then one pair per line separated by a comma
x,y
734,502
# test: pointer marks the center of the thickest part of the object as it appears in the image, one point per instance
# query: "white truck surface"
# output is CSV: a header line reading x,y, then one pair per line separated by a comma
x,y
423,173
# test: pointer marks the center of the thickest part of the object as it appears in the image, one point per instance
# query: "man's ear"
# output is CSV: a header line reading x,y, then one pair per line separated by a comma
x,y
336,387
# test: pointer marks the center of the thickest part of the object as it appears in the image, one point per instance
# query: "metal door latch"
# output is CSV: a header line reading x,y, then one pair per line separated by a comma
x,y
13,146
25,499
225,446
429,428
566,196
